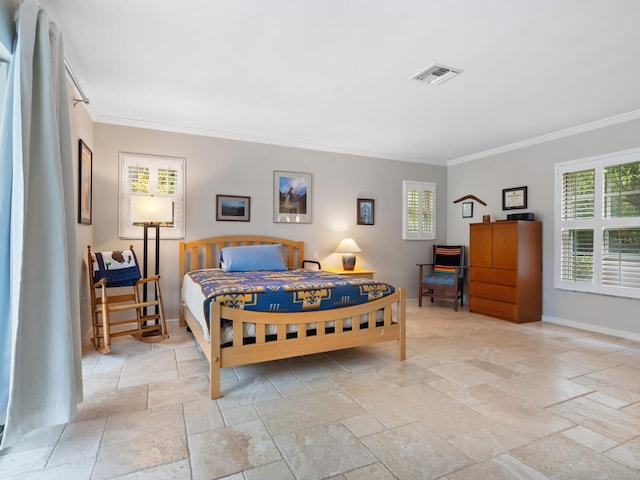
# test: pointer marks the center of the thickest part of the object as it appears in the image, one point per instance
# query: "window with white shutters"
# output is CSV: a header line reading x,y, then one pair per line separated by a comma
x,y
419,210
143,175
598,224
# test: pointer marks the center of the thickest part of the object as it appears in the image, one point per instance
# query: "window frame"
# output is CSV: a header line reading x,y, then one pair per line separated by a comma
x,y
598,224
126,229
411,186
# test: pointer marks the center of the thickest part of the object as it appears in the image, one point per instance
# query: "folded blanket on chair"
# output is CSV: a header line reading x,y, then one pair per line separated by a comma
x,y
119,267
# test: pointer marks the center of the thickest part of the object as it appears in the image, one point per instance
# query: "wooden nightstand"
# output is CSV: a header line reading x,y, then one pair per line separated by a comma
x,y
354,273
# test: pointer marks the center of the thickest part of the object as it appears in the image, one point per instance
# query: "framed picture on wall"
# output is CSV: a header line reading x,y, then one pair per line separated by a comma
x,y
233,208
85,183
514,198
365,211
467,209
291,197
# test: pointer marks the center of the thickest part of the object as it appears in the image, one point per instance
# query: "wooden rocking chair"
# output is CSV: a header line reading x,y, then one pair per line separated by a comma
x,y
119,269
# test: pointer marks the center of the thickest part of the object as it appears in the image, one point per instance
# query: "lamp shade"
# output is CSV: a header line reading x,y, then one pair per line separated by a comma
x,y
347,245
150,209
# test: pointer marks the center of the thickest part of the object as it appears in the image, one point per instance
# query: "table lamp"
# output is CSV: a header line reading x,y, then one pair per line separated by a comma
x,y
348,247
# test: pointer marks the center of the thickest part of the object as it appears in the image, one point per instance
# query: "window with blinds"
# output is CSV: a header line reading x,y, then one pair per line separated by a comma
x,y
598,225
621,257
143,175
419,210
578,194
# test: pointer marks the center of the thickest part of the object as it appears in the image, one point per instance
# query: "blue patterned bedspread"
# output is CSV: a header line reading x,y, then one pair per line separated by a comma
x,y
295,290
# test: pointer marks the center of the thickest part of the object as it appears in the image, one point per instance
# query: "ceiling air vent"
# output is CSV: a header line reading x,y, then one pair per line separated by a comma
x,y
435,74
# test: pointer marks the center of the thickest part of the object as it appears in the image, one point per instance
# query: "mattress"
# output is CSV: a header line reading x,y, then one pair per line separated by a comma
x,y
296,290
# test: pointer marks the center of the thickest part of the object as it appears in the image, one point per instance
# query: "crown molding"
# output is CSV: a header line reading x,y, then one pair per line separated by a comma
x,y
204,132
606,122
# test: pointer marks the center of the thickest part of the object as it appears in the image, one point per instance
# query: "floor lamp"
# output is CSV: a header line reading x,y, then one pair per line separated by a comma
x,y
150,212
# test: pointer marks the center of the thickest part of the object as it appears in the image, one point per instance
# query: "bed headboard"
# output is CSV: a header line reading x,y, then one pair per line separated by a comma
x,y
205,253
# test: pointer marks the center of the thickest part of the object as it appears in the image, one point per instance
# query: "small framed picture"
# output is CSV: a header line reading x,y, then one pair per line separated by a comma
x,y
514,198
365,211
291,197
85,183
467,209
233,208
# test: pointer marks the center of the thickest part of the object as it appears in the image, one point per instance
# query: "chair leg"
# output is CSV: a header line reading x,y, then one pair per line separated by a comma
x,y
105,347
106,333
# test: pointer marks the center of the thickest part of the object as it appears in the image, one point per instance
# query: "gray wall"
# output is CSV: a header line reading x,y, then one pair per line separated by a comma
x,y
217,166
534,167
82,128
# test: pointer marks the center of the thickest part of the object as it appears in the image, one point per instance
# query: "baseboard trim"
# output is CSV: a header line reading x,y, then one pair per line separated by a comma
x,y
592,328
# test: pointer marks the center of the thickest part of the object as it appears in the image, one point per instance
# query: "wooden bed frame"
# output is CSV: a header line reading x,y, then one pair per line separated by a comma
x,y
205,253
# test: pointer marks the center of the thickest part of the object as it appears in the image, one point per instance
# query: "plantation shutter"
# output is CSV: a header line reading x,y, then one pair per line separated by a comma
x,y
578,194
578,203
621,257
598,224
621,246
577,256
419,210
143,175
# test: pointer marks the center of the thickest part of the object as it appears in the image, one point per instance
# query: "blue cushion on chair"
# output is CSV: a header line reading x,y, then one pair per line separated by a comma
x,y
119,267
440,279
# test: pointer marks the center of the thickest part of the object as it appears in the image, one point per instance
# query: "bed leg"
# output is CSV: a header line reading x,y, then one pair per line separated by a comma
x,y
215,353
214,378
402,312
183,322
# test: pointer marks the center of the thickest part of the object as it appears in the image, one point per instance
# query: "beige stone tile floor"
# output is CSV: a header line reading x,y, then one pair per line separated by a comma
x,y
477,398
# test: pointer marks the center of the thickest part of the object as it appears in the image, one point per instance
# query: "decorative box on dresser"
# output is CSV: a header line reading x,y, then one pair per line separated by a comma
x,y
505,260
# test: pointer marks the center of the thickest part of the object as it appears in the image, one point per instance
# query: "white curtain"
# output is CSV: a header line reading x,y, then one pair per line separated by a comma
x,y
40,370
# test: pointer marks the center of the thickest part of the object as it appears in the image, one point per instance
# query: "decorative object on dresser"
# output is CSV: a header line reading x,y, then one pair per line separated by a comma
x,y
348,247
506,270
446,279
521,216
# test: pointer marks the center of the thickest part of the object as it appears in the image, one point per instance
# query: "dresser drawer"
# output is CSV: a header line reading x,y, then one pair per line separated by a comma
x,y
502,293
499,276
493,308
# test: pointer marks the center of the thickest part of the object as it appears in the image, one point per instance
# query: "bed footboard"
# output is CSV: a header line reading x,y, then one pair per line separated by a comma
x,y
330,330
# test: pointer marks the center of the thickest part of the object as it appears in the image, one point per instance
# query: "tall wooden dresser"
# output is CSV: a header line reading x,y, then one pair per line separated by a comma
x,y
506,270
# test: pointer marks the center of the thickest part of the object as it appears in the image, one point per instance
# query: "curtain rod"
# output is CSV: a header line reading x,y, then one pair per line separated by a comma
x,y
83,98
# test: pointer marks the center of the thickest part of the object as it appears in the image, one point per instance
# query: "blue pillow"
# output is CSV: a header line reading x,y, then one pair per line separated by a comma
x,y
252,257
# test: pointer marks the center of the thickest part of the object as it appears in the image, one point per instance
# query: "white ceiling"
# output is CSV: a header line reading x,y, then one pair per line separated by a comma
x,y
335,74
